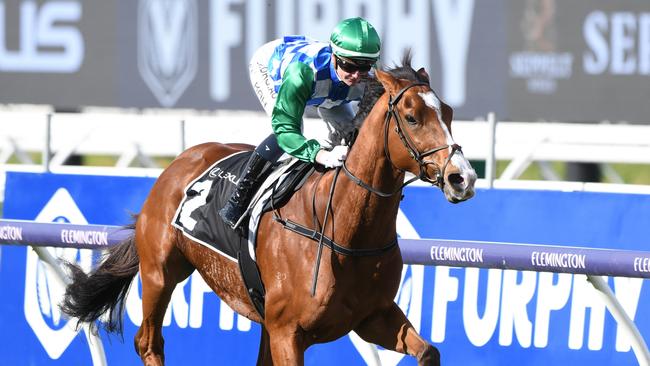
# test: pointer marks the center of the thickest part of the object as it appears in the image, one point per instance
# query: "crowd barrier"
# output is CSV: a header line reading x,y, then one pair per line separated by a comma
x,y
452,253
511,309
57,136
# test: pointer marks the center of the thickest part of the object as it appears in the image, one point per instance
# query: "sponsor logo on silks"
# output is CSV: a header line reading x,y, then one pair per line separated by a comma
x,y
44,289
167,47
409,299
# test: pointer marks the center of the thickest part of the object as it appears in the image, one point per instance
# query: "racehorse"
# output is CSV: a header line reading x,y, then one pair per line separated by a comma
x,y
406,128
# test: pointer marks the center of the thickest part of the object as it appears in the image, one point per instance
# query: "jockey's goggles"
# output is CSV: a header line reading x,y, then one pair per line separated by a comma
x,y
352,66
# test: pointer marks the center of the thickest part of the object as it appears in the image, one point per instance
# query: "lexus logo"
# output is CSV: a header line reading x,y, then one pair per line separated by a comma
x,y
167,46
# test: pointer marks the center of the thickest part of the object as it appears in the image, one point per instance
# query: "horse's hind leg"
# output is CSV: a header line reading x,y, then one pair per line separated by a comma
x,y
392,330
162,266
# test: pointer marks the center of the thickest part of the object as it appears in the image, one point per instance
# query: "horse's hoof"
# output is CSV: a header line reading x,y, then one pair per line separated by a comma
x,y
429,357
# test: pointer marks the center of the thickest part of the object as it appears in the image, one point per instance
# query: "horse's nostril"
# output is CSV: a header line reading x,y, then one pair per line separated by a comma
x,y
455,179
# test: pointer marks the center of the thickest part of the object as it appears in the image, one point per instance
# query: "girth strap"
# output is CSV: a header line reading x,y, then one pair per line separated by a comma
x,y
316,236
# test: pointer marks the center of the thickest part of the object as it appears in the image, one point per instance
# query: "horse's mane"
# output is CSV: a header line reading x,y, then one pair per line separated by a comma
x,y
374,89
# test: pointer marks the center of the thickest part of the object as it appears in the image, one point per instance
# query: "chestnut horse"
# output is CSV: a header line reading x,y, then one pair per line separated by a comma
x,y
406,129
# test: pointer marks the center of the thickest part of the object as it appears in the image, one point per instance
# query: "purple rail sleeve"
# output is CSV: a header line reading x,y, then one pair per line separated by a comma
x,y
543,258
525,257
19,232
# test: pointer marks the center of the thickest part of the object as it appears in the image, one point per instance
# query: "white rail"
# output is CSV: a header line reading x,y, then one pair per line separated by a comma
x,y
135,139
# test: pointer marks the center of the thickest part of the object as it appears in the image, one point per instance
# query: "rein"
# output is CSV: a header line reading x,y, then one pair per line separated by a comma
x,y
318,234
410,147
322,239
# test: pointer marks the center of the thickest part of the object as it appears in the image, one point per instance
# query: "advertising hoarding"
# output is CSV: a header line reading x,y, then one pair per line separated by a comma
x,y
525,60
487,317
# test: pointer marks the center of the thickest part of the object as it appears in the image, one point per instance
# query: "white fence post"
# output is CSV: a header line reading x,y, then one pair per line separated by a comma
x,y
638,343
47,147
490,162
94,341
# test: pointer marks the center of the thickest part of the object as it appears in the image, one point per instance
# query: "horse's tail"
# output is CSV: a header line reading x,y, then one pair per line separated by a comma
x,y
88,297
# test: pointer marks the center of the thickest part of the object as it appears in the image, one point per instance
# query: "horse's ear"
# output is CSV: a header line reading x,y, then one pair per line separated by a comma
x,y
388,81
447,113
423,74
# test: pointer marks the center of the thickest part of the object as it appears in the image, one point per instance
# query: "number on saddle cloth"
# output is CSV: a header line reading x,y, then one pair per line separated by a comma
x,y
197,215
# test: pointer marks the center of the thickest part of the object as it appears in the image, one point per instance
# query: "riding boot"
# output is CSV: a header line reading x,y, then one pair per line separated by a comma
x,y
241,196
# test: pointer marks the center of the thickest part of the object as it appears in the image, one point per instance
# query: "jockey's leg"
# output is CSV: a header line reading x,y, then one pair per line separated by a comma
x,y
391,329
267,151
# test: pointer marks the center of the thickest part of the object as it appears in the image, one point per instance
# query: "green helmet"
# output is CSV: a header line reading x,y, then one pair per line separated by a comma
x,y
355,38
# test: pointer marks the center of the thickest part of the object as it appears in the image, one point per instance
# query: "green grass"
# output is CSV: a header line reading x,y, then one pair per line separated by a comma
x,y
97,160
633,173
630,173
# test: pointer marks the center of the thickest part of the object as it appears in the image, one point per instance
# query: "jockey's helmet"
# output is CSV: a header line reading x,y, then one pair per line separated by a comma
x,y
355,38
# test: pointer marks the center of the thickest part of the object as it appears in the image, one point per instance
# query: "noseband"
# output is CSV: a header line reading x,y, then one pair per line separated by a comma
x,y
439,179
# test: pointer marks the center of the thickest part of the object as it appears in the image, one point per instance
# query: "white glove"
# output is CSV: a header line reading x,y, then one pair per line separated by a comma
x,y
334,158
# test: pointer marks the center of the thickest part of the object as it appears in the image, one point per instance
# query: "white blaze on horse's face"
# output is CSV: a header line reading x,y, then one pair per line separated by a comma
x,y
459,190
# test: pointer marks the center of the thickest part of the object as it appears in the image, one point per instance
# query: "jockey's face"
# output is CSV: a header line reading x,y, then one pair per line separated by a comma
x,y
350,72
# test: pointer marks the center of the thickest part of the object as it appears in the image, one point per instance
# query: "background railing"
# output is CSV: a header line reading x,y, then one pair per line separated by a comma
x,y
140,137
592,262
506,254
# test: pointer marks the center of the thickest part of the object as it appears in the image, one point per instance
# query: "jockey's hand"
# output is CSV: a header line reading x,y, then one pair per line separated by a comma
x,y
334,158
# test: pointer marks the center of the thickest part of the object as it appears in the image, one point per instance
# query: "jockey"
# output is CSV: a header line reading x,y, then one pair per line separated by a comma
x,y
292,73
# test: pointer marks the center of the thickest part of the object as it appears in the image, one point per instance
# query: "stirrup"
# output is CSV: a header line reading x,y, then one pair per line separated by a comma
x,y
231,214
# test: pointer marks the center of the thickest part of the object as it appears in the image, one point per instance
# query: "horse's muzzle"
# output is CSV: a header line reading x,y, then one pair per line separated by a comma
x,y
459,186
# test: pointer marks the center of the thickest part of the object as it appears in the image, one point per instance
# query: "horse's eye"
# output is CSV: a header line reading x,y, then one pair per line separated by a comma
x,y
410,119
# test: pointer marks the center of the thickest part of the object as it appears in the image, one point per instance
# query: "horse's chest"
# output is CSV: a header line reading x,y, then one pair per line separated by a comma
x,y
350,301
342,314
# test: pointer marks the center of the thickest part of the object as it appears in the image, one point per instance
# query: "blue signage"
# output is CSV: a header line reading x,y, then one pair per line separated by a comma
x,y
474,316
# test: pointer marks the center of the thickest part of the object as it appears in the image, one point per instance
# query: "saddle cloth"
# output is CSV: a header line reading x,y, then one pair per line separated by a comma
x,y
197,214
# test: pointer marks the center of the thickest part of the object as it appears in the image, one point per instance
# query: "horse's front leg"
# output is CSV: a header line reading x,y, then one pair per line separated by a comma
x,y
391,329
287,346
264,354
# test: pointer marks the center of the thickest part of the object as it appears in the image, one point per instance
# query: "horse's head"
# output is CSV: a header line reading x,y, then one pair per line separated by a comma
x,y
420,139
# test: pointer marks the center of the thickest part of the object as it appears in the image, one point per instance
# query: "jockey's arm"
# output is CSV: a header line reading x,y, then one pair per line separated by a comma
x,y
286,119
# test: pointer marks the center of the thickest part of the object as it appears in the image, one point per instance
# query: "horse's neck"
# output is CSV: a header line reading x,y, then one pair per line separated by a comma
x,y
367,161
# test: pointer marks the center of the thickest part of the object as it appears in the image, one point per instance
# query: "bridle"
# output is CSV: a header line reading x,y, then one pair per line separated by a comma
x,y
318,235
419,157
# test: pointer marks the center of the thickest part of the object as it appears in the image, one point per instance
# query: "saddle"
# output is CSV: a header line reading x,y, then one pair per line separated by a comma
x,y
197,214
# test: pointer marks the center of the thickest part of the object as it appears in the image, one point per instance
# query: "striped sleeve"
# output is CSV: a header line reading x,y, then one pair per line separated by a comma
x,y
286,119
